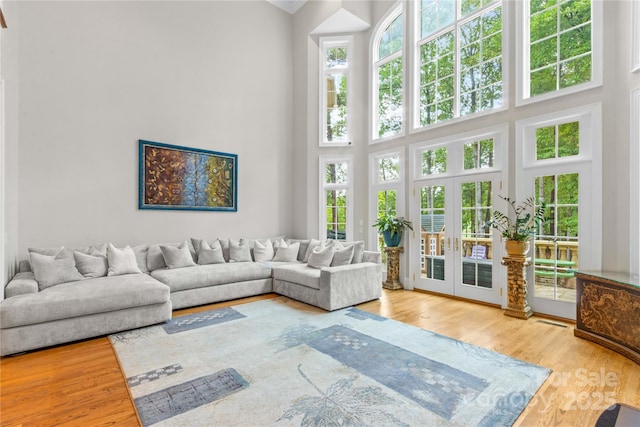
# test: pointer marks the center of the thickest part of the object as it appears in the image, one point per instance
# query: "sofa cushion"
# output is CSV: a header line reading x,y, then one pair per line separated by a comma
x,y
287,252
239,251
177,257
22,283
304,244
91,265
210,254
155,259
321,256
358,250
202,276
342,256
313,243
121,261
89,296
300,274
263,251
51,270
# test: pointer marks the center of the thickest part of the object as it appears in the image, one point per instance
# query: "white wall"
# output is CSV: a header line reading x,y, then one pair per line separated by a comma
x,y
97,76
9,74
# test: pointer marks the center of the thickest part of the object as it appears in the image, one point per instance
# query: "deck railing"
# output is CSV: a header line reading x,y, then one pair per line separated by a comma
x,y
543,249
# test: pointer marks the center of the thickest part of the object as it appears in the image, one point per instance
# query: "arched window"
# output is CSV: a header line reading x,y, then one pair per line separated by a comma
x,y
388,77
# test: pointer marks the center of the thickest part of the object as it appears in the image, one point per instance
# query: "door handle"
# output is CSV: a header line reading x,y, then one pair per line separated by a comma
x,y
448,243
456,244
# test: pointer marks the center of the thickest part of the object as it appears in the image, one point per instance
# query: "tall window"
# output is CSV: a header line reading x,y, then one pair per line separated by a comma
x,y
459,56
388,93
561,50
335,89
336,198
559,158
386,187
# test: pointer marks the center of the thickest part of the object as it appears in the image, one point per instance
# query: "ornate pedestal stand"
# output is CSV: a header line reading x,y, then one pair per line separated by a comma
x,y
517,305
393,268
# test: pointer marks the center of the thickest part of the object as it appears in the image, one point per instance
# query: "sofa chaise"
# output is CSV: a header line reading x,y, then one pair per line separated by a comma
x,y
104,289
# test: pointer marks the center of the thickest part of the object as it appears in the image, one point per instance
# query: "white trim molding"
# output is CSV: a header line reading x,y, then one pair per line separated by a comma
x,y
635,36
335,74
348,187
634,196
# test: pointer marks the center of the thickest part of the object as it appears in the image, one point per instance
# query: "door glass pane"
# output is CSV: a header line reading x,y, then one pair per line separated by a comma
x,y
336,214
432,211
477,244
556,243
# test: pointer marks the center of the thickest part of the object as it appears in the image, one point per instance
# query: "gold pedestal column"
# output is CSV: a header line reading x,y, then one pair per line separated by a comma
x,y
393,268
517,305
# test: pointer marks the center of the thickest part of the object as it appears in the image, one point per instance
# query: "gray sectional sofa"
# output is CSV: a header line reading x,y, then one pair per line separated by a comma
x,y
104,289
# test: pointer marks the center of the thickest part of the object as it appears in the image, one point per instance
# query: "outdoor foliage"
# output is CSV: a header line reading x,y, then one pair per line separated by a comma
x,y
336,86
390,85
479,57
560,50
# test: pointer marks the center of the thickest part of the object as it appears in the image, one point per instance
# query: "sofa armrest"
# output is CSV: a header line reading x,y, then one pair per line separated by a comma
x,y
349,285
371,256
352,273
22,283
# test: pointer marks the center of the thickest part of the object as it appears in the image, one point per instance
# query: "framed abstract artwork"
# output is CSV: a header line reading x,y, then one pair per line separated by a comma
x,y
181,178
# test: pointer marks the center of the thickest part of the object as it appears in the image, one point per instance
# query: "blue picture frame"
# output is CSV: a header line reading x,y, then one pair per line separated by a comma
x,y
182,178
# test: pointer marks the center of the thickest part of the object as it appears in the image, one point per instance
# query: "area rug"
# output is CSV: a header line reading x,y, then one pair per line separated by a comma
x,y
278,362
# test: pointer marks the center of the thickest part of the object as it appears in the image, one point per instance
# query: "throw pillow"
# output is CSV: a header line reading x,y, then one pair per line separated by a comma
x,y
210,254
121,261
224,243
321,256
342,256
304,244
177,257
155,260
263,252
313,243
358,250
287,252
49,251
50,270
239,251
141,256
91,265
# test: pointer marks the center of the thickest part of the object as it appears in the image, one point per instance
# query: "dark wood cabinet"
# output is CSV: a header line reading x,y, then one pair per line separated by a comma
x,y
608,311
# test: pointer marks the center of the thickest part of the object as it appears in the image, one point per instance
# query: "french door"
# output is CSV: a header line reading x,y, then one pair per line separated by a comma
x,y
455,247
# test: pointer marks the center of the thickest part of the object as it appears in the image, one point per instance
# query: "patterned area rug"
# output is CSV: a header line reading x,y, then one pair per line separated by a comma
x,y
280,363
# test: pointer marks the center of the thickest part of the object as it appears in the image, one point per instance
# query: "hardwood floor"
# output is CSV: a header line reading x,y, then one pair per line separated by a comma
x,y
81,384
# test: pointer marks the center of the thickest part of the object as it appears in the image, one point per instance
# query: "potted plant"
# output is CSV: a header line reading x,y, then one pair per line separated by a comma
x,y
391,228
518,231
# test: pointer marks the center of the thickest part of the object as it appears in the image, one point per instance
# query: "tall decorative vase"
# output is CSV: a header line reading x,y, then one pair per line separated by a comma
x,y
392,240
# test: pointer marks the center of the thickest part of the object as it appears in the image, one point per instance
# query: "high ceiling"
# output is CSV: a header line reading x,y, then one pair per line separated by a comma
x,y
290,6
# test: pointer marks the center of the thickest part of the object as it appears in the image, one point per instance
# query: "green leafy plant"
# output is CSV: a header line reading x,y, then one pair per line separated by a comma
x,y
527,218
392,224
